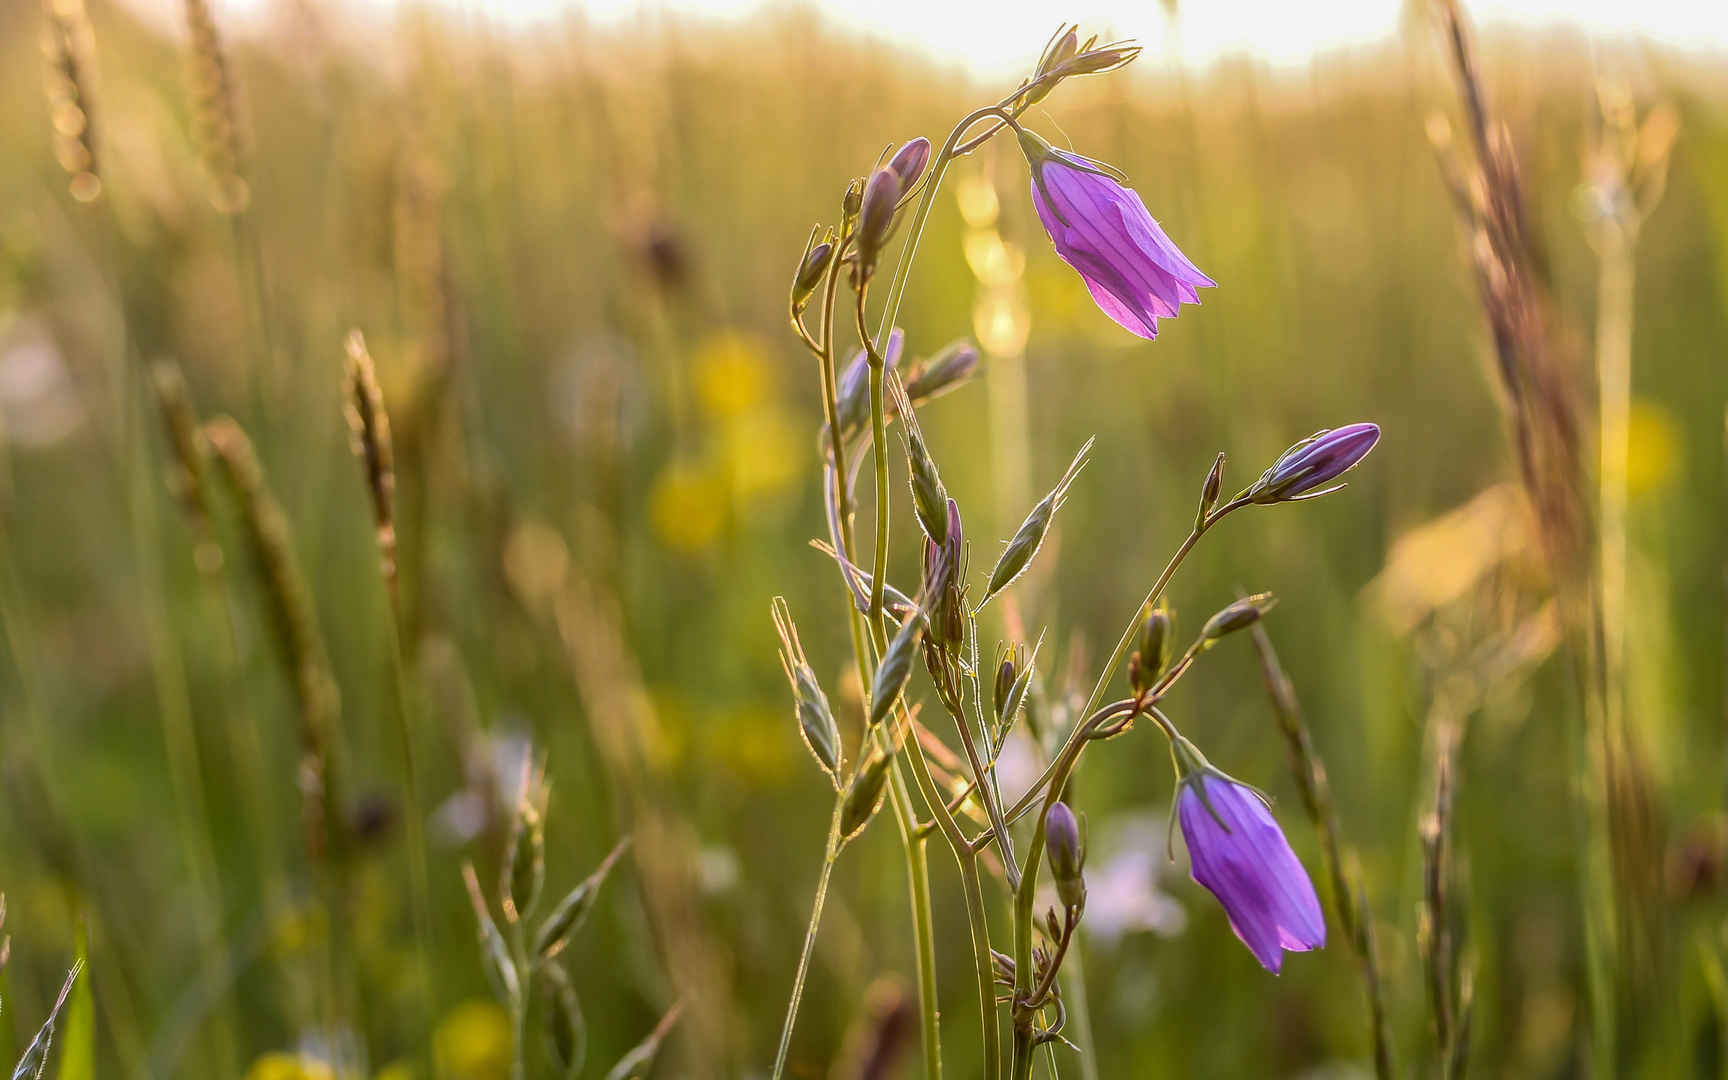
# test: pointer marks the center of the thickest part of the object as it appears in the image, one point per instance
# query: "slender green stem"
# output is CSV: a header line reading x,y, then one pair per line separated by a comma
x,y
519,1004
1057,776
917,867
830,855
978,917
419,878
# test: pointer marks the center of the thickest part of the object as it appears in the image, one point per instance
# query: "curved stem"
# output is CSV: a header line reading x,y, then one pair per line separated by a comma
x,y
951,149
830,855
1066,759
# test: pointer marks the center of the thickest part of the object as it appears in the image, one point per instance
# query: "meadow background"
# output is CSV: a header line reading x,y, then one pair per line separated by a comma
x,y
568,251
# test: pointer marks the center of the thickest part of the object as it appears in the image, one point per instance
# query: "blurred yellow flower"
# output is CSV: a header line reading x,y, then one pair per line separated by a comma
x,y
762,453
281,1066
731,374
1652,448
473,1041
688,506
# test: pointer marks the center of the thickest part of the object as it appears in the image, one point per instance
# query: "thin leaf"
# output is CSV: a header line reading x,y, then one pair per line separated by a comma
x,y
632,1064
35,1060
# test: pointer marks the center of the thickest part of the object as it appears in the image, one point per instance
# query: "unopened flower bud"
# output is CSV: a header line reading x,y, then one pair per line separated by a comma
x,y
1067,854
1026,541
1153,652
929,497
572,911
1209,491
876,217
895,669
525,859
810,273
852,201
944,581
1238,616
863,795
909,162
810,707
943,372
1315,461
1004,683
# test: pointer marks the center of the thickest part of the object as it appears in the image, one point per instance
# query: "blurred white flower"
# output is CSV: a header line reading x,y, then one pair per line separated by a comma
x,y
39,404
1127,863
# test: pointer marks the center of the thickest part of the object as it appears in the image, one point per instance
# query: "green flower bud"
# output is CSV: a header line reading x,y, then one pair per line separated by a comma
x,y
1238,616
863,795
895,669
1017,556
810,271
1153,653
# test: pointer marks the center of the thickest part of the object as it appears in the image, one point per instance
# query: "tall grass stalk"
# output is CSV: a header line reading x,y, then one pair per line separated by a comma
x,y
69,44
294,623
369,426
1347,894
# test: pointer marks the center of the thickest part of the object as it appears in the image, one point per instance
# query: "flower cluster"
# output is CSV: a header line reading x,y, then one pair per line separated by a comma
x,y
1137,275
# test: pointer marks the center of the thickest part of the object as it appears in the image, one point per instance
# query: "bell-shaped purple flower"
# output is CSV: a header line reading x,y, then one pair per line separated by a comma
x,y
1238,852
1103,230
1319,459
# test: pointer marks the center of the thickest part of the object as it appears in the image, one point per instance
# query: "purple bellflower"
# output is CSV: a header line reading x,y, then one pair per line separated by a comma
x,y
1319,459
1238,852
1103,230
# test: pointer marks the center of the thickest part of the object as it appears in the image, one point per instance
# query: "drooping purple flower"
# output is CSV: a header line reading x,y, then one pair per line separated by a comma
x,y
1239,853
1103,230
1319,459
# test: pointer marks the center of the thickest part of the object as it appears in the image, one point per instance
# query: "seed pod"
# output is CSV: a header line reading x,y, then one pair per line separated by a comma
x,y
1067,854
1240,615
864,795
1153,653
566,1028
1209,491
895,668
815,718
1017,556
571,911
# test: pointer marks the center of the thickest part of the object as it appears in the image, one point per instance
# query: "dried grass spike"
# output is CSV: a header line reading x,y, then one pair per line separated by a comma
x,y
218,120
67,47
369,424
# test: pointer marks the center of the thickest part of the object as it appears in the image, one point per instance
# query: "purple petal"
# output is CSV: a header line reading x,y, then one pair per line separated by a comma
x,y
1251,870
1135,274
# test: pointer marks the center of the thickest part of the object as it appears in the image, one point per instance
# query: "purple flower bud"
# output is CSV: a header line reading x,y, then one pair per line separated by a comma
x,y
1067,853
940,373
1238,616
1240,855
1103,230
1317,460
876,216
909,161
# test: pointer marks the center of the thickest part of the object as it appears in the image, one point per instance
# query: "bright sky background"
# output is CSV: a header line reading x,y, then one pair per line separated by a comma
x,y
999,38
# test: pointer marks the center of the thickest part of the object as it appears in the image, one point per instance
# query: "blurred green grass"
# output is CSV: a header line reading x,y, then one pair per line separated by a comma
x,y
590,231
